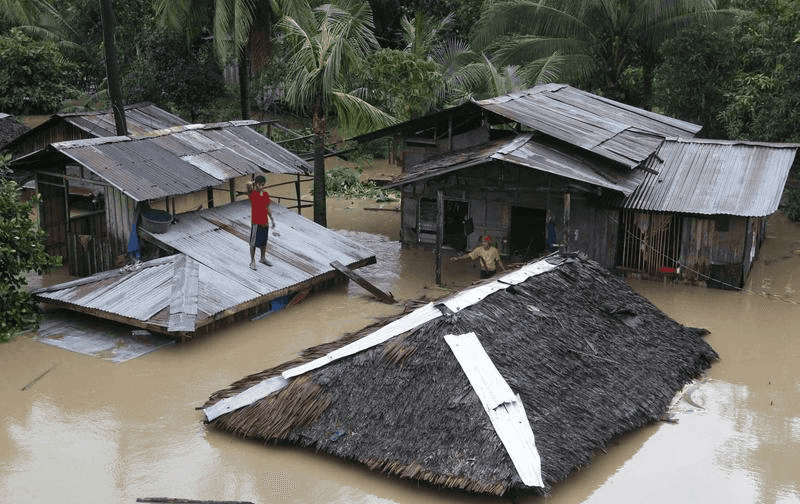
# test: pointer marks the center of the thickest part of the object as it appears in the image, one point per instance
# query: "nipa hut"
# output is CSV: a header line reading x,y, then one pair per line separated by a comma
x,y
507,386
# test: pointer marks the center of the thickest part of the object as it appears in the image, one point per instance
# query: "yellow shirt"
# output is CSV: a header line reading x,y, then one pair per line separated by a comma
x,y
488,257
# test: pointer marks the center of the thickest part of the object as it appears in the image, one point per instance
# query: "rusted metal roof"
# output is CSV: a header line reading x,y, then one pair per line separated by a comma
x,y
209,277
713,177
178,160
613,130
534,152
139,118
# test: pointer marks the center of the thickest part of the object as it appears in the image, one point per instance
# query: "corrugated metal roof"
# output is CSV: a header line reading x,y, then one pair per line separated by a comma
x,y
181,159
613,130
715,177
139,118
534,152
216,239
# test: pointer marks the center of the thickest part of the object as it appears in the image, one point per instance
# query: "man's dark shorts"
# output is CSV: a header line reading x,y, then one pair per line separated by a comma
x,y
259,235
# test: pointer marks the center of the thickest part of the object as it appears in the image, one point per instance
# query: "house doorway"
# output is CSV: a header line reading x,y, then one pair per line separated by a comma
x,y
456,215
649,242
527,233
53,213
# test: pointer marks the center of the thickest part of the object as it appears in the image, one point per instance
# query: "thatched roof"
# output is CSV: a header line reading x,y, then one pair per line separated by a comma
x,y
589,358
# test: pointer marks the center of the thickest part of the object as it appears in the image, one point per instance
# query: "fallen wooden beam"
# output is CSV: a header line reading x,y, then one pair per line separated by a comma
x,y
352,275
169,500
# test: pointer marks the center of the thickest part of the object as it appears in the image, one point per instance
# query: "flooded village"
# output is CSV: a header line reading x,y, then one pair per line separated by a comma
x,y
650,357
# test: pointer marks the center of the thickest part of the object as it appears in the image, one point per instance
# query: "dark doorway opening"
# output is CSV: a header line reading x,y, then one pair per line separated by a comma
x,y
455,216
528,232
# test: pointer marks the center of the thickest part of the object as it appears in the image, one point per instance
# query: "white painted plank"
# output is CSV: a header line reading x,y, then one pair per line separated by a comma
x,y
411,321
513,428
504,407
246,397
471,296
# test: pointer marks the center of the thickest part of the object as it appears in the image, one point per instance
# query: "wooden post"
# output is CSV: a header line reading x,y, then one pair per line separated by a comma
x,y
450,132
439,234
297,191
567,199
231,190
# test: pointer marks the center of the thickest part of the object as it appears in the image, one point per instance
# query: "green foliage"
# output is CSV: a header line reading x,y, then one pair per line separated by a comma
x,y
168,71
763,99
697,68
401,83
597,40
791,204
34,76
21,250
463,12
344,182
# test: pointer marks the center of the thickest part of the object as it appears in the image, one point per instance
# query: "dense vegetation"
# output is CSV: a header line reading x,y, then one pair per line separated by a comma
x,y
21,250
732,67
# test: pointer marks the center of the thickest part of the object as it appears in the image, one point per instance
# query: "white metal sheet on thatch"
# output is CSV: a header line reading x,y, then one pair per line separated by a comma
x,y
502,405
247,397
413,320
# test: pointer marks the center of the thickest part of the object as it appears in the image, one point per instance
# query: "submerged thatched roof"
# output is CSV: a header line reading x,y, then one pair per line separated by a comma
x,y
588,357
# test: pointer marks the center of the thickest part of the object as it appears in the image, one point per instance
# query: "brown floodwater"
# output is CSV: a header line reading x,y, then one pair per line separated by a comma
x,y
92,431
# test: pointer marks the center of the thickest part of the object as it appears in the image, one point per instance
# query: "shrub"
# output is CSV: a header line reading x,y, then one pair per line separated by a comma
x,y
791,204
21,250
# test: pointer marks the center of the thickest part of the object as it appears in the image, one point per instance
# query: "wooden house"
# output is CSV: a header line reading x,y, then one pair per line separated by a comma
x,y
556,160
164,172
505,387
701,211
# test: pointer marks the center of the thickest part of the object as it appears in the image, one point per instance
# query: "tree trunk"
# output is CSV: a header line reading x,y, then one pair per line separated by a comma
x,y
244,80
319,127
112,70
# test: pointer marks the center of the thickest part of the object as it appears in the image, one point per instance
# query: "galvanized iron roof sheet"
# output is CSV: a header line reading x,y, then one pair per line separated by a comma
x,y
712,177
182,159
139,118
534,152
613,130
216,239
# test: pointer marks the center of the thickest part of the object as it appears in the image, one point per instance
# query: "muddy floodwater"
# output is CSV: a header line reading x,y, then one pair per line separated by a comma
x,y
94,431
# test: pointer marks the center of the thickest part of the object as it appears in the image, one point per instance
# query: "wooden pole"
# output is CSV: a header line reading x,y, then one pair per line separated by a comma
x,y
439,234
112,69
297,191
567,199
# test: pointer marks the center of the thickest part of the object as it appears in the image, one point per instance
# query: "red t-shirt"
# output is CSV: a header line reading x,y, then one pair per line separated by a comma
x,y
260,207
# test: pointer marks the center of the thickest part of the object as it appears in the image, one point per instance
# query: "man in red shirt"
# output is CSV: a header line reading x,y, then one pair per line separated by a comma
x,y
260,216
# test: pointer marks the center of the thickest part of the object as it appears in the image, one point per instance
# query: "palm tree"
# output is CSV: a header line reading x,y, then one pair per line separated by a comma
x,y
42,20
597,40
242,30
328,42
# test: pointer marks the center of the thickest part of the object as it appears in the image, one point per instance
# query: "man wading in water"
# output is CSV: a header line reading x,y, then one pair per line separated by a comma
x,y
259,217
488,256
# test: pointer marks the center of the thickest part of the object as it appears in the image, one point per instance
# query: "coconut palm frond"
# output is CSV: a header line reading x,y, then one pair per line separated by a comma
x,y
356,116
